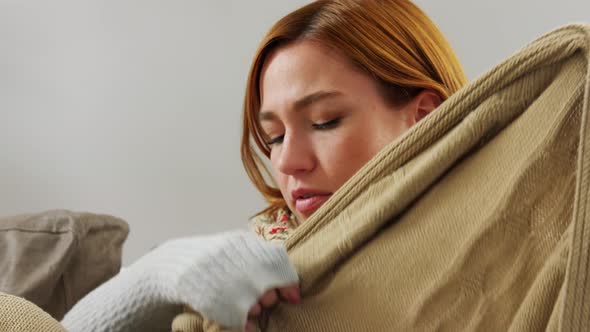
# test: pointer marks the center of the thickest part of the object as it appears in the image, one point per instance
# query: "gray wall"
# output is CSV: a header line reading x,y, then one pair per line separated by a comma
x,y
483,33
133,108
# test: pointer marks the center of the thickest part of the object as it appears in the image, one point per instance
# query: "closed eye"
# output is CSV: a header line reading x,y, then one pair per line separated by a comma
x,y
319,126
327,125
276,140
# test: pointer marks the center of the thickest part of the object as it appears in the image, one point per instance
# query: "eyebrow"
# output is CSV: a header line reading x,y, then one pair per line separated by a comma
x,y
302,103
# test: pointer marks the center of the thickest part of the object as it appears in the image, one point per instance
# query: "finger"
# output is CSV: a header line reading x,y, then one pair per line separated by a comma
x,y
269,299
255,310
291,293
249,326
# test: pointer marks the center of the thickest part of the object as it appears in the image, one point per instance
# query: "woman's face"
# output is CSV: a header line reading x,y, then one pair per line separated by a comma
x,y
323,119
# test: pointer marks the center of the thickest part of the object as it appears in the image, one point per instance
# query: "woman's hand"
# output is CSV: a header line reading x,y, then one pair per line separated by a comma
x,y
269,299
224,277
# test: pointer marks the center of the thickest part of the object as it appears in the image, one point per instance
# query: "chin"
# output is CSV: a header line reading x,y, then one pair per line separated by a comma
x,y
300,218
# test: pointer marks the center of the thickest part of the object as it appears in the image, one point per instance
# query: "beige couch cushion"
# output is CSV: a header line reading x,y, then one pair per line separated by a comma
x,y
56,257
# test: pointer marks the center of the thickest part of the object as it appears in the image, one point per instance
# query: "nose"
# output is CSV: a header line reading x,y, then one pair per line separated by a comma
x,y
296,156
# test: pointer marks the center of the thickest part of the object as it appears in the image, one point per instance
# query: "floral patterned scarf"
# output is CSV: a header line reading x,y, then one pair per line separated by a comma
x,y
276,227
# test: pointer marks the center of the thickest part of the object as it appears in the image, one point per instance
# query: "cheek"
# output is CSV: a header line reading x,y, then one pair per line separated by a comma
x,y
349,150
343,155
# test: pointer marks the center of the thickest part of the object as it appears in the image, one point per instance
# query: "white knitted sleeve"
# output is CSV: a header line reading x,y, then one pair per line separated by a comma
x,y
220,276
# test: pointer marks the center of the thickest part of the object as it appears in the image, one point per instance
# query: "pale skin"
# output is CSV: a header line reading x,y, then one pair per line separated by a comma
x,y
323,119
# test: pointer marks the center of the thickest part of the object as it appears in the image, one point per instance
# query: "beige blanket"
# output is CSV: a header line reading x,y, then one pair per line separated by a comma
x,y
20,315
477,219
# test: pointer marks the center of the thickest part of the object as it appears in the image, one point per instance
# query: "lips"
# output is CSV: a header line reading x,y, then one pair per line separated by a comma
x,y
309,200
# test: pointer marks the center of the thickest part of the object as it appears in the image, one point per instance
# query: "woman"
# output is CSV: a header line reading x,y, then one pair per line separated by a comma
x,y
331,85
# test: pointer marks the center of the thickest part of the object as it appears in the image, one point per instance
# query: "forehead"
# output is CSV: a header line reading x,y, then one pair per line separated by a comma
x,y
304,67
